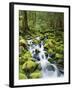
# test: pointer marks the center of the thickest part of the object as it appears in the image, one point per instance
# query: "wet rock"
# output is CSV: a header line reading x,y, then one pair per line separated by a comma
x,y
50,55
40,45
36,57
50,68
60,71
37,51
45,48
60,61
39,67
50,60
60,65
46,54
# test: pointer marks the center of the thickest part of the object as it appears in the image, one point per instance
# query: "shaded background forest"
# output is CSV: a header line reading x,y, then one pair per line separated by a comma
x,y
48,25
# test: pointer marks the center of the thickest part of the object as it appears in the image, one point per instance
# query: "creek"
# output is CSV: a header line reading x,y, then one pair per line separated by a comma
x,y
38,53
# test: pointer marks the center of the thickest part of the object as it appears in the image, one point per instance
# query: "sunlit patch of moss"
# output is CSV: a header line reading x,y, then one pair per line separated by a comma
x,y
22,76
58,56
36,74
29,66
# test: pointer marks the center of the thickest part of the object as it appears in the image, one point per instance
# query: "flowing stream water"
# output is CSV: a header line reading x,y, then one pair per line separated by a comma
x,y
48,69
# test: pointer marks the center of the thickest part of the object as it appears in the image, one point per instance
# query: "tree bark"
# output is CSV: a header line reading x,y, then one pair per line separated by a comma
x,y
25,22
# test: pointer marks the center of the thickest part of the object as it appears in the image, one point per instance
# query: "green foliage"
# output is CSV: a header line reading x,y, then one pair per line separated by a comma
x,y
36,74
29,66
58,56
50,60
22,41
36,41
25,57
49,43
59,49
22,76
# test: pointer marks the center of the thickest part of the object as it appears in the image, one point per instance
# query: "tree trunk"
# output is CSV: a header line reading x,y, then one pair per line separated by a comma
x,y
25,22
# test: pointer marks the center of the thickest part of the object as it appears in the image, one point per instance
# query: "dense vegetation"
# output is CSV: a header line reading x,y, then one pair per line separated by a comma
x,y
49,26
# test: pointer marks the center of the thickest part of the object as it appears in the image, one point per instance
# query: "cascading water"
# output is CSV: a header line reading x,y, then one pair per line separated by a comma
x,y
48,69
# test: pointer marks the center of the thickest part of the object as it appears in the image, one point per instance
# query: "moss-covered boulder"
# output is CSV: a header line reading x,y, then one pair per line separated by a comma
x,y
49,43
36,74
35,41
22,42
25,57
21,50
21,61
22,76
50,51
60,49
29,66
58,56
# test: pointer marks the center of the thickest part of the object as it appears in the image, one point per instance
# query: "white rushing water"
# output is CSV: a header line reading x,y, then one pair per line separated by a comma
x,y
48,69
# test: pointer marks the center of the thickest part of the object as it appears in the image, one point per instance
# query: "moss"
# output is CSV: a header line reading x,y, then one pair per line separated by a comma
x,y
49,43
21,61
29,66
53,41
58,56
50,51
46,46
59,49
36,74
22,41
36,41
22,76
50,60
20,69
25,57
21,50
39,67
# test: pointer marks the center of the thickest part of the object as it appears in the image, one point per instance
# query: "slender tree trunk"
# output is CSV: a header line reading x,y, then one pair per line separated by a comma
x,y
25,22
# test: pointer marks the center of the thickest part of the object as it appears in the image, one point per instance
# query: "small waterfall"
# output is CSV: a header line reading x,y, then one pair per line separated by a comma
x,y
48,69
